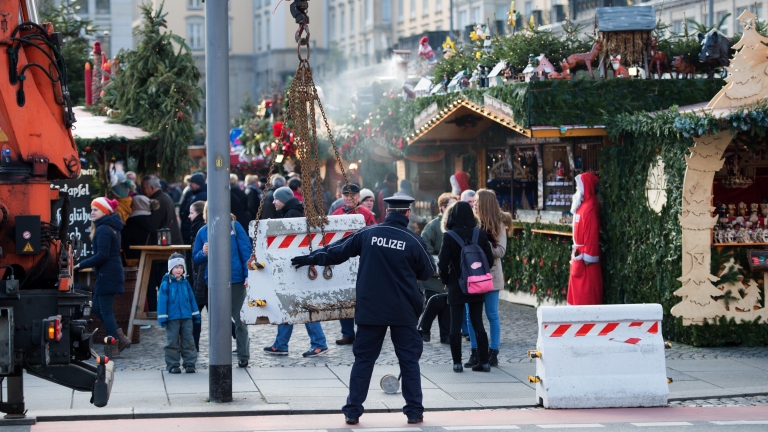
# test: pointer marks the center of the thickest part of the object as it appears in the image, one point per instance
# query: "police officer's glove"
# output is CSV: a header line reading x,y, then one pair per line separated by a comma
x,y
300,261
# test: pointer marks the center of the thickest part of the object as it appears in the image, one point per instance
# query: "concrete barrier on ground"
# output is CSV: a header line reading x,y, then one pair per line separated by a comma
x,y
280,294
600,357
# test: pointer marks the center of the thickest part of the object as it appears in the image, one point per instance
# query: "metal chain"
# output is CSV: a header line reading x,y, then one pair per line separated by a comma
x,y
302,96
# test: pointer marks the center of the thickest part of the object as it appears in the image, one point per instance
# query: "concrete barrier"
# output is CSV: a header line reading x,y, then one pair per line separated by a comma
x,y
600,357
280,294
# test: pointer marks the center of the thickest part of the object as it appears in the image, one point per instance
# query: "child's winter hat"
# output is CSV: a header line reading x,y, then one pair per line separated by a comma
x,y
106,205
177,259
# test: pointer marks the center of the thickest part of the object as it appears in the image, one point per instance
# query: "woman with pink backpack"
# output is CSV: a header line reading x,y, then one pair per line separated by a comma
x,y
463,268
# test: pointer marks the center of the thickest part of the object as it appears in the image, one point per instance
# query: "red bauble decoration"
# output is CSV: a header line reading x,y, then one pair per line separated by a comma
x,y
533,288
390,114
88,149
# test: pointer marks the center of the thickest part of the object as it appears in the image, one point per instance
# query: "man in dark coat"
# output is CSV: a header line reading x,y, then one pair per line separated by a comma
x,y
198,191
392,260
269,212
253,193
238,202
165,215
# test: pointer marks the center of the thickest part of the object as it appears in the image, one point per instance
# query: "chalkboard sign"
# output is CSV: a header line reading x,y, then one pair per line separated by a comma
x,y
81,193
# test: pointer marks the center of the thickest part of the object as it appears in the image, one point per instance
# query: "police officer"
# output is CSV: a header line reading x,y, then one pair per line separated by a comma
x,y
392,258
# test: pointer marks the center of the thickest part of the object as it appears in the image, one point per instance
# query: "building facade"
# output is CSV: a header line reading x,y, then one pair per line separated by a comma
x,y
113,18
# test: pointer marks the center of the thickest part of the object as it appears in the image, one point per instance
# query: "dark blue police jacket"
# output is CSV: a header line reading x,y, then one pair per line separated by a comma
x,y
392,258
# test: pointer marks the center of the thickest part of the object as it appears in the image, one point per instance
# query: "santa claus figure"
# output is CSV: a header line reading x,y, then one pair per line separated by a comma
x,y
425,50
585,286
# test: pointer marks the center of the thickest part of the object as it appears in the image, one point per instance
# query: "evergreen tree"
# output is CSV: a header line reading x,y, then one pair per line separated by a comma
x,y
77,33
157,90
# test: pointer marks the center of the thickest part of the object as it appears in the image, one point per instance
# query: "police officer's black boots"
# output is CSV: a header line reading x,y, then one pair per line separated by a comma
x,y
482,353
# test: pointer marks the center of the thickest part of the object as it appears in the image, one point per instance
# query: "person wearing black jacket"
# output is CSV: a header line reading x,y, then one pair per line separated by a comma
x,y
269,212
198,191
289,207
253,193
461,220
238,202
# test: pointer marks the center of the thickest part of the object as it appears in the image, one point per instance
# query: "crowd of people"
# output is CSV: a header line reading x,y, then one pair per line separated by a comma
x,y
140,209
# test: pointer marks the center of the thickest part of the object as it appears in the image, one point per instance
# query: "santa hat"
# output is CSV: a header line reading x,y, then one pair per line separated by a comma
x,y
177,259
106,205
424,40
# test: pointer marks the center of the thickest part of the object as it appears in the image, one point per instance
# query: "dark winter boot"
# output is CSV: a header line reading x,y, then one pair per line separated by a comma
x,y
472,359
122,340
493,357
482,353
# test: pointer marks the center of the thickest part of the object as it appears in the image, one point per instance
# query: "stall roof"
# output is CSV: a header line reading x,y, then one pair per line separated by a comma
x,y
431,133
89,126
625,18
458,110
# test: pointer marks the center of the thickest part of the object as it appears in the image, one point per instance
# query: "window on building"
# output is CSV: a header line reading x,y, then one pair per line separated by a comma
x,y
196,33
266,2
528,9
677,27
102,7
259,37
351,20
438,6
342,24
386,11
720,15
268,33
333,26
476,15
757,9
257,4
195,4
439,26
368,12
400,10
501,12
463,19
424,7
81,7
412,15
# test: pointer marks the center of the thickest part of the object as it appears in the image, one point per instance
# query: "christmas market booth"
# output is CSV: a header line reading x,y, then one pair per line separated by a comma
x,y
692,203
527,142
101,144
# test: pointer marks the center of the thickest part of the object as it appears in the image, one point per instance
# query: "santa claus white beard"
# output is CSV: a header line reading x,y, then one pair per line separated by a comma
x,y
578,198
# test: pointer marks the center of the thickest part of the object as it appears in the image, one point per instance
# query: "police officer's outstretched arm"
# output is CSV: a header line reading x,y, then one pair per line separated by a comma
x,y
333,254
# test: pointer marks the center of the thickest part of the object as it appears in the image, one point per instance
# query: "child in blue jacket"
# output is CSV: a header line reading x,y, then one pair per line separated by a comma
x,y
176,310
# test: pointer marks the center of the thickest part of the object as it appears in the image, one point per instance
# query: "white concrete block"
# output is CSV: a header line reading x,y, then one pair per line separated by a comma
x,y
601,357
291,296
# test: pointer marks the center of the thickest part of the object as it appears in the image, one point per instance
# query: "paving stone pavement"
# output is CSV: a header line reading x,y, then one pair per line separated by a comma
x,y
518,334
739,401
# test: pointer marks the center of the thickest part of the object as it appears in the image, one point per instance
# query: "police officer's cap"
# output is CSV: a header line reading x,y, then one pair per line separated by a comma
x,y
399,202
353,187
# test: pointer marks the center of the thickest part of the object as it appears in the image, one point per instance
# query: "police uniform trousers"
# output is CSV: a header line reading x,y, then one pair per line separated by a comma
x,y
367,347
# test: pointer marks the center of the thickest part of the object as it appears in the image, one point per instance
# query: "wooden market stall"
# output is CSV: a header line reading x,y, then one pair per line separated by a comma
x,y
531,169
725,194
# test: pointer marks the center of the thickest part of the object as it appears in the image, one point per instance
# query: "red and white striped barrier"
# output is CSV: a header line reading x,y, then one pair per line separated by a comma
x,y
280,294
600,357
302,240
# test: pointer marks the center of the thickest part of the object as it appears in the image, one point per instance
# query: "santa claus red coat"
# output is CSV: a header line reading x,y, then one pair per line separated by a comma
x,y
585,286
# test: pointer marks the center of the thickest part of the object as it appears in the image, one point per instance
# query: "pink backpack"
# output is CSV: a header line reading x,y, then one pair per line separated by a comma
x,y
475,276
